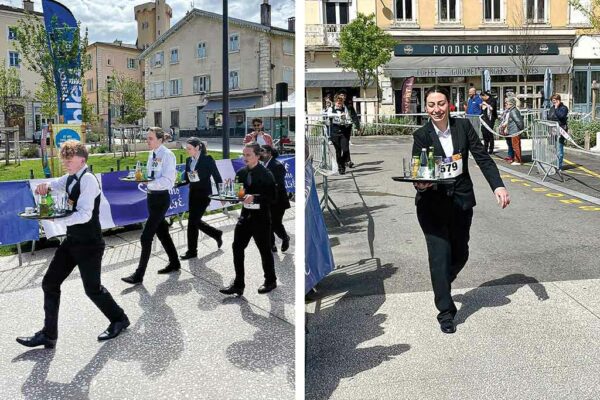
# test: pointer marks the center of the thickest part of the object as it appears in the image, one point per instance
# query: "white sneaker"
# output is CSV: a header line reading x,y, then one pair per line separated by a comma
x,y
515,163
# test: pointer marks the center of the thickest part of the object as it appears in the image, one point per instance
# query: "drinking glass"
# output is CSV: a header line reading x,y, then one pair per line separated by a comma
x,y
438,164
221,190
405,168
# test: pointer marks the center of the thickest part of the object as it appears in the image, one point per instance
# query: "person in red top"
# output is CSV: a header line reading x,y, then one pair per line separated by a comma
x,y
258,136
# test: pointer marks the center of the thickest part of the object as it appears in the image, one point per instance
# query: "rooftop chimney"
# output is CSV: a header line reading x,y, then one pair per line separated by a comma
x,y
28,5
292,24
265,13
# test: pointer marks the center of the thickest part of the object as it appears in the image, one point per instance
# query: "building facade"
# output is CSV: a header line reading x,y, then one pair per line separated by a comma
x,y
108,59
27,116
153,19
324,75
183,71
452,42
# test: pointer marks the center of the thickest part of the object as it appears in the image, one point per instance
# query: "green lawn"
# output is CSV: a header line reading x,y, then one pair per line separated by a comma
x,y
100,163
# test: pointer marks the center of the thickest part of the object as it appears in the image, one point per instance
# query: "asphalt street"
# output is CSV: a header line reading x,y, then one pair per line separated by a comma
x,y
529,310
186,340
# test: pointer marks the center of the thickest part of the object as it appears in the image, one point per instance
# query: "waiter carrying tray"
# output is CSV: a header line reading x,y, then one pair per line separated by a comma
x,y
162,172
254,221
83,247
445,211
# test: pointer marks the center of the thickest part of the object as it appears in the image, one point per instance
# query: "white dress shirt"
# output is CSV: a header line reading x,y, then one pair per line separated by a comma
x,y
89,189
164,175
446,140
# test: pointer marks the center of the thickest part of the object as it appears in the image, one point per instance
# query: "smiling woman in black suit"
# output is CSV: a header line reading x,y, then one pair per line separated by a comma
x,y
445,211
199,167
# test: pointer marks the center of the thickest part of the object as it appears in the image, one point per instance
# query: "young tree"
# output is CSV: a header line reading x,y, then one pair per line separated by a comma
x,y
526,39
364,47
10,90
127,97
32,45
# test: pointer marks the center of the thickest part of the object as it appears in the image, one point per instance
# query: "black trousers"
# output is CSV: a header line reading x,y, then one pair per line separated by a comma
x,y
488,139
446,227
341,143
198,205
277,227
158,205
89,259
257,225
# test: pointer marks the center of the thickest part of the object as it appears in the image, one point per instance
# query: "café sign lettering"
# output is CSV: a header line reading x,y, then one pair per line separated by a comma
x,y
475,49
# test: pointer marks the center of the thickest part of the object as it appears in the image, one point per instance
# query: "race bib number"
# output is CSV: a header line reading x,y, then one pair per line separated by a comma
x,y
252,206
193,176
451,167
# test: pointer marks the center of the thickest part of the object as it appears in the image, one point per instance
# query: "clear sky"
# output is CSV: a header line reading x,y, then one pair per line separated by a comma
x,y
110,20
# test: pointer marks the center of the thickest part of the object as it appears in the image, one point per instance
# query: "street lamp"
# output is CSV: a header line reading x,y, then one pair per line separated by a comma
x,y
108,88
225,81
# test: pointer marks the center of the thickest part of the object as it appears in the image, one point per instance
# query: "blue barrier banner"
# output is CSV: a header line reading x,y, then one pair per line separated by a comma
x,y
128,199
14,197
289,162
318,257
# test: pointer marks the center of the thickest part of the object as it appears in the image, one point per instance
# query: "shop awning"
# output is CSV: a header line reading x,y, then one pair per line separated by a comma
x,y
400,67
240,104
331,79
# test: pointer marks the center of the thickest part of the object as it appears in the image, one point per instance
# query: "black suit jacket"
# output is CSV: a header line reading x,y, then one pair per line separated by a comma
x,y
258,181
278,171
205,168
464,139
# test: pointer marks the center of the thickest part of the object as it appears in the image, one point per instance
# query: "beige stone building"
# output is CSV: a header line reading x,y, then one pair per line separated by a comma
x,y
106,59
153,19
28,116
324,76
451,43
183,71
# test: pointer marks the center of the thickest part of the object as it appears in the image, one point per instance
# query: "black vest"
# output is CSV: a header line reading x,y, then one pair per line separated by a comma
x,y
91,231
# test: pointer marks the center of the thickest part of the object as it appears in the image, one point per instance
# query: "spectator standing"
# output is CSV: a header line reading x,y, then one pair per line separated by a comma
x,y
559,112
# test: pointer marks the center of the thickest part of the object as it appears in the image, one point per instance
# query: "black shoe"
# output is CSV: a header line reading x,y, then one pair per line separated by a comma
x,y
267,287
232,289
448,326
114,329
490,151
274,249
170,268
39,339
285,244
219,240
350,164
134,278
188,255
342,171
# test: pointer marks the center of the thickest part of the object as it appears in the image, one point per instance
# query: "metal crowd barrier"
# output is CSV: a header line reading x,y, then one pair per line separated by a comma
x,y
544,154
476,122
321,156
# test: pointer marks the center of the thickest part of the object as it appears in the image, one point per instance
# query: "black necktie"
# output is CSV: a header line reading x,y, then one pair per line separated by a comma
x,y
249,179
152,164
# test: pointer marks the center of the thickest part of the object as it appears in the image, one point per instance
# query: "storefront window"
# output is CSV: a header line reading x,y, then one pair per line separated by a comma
x,y
579,87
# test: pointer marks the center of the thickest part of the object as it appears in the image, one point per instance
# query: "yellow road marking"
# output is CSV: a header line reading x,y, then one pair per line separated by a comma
x,y
592,173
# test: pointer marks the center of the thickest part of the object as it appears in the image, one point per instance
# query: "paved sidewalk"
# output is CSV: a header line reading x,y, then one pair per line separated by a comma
x,y
186,339
529,310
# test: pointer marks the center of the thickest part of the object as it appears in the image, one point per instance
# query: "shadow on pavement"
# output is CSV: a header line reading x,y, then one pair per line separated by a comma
x,y
272,344
198,268
339,327
481,297
155,341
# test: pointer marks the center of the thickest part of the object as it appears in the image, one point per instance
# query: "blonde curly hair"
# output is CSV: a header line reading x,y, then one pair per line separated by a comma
x,y
72,148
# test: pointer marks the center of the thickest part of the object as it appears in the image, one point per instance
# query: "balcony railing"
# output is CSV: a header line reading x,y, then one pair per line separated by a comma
x,y
323,35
